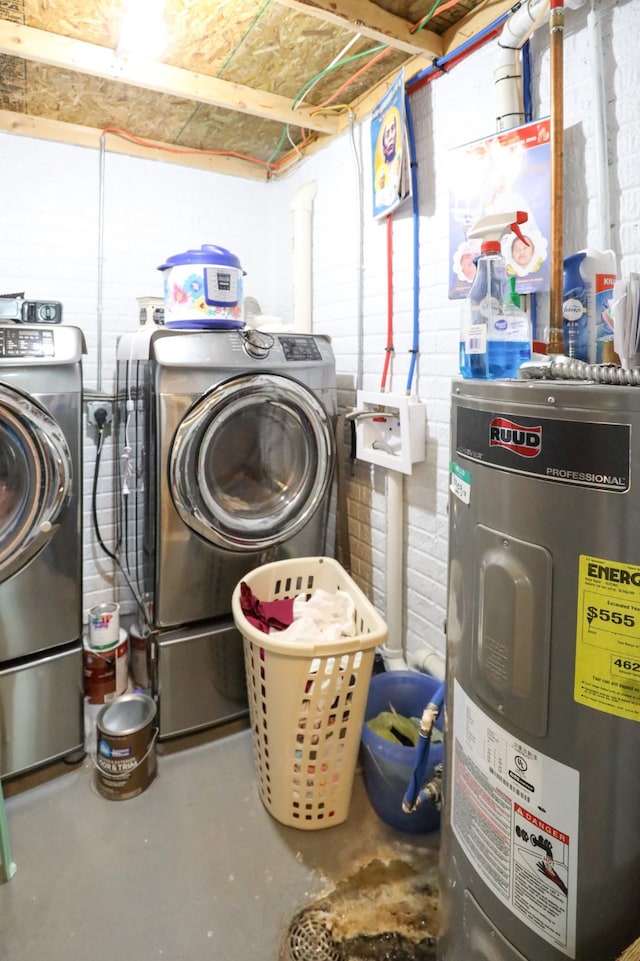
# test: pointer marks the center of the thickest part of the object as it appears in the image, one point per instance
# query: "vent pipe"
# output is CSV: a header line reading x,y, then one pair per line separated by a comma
x,y
507,74
302,209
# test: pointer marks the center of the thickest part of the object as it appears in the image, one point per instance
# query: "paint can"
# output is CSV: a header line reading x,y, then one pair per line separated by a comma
x,y
106,671
126,733
104,626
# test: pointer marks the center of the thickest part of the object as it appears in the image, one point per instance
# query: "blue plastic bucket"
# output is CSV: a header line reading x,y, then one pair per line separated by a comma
x,y
388,766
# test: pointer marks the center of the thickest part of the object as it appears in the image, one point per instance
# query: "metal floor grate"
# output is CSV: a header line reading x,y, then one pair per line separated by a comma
x,y
310,939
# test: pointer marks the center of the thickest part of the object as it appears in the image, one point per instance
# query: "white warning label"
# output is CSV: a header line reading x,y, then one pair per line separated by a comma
x,y
514,812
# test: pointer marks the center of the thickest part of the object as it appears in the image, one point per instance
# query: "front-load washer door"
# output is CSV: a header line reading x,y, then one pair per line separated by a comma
x,y
251,462
36,479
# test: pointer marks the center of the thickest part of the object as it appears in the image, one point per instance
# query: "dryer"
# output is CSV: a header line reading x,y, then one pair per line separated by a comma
x,y
232,438
41,696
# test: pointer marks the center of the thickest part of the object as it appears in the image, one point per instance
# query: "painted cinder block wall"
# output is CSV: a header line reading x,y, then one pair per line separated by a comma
x,y
50,204
450,111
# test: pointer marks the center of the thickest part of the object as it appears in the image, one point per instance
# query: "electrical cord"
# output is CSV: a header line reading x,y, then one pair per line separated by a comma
x,y
100,417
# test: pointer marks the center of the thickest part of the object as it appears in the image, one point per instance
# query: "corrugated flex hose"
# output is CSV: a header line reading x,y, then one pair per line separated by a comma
x,y
559,367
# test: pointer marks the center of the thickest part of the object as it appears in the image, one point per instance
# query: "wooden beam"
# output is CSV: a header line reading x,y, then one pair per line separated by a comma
x,y
69,133
362,16
632,953
474,23
365,103
360,109
40,46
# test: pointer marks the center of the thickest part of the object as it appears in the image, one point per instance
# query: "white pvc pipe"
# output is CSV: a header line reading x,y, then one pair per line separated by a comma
x,y
507,75
302,209
507,78
357,162
599,114
521,24
393,650
429,662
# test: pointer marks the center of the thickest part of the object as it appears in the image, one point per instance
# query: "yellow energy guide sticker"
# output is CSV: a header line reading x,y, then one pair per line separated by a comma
x,y
608,637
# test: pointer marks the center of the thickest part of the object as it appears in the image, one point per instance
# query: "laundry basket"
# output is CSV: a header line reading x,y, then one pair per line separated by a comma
x,y
307,700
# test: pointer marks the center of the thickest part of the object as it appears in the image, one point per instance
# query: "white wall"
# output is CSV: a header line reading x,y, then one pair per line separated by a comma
x,y
50,243
49,247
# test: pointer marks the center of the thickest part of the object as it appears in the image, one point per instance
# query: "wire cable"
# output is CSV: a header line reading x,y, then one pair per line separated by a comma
x,y
153,145
228,60
415,347
389,347
336,60
357,163
94,496
94,510
334,66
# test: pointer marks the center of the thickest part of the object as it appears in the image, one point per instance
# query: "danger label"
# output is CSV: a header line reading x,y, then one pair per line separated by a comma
x,y
536,822
514,812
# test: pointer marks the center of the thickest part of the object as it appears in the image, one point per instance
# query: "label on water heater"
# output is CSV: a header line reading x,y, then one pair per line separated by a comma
x,y
607,675
514,812
574,452
460,484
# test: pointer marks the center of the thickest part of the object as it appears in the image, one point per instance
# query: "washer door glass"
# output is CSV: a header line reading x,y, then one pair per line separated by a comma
x,y
251,462
36,478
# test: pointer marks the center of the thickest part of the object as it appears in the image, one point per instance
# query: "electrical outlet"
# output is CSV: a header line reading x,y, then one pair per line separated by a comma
x,y
93,406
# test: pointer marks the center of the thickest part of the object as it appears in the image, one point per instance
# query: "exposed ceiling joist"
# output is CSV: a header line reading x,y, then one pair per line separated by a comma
x,y
58,51
297,73
57,131
372,21
475,22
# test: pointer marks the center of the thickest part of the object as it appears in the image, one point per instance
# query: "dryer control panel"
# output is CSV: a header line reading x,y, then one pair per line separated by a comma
x,y
16,341
300,347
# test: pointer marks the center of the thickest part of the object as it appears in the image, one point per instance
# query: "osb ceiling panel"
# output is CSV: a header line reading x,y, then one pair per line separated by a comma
x,y
245,86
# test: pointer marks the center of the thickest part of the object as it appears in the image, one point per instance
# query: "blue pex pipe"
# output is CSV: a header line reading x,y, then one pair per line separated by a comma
x,y
438,698
414,794
473,42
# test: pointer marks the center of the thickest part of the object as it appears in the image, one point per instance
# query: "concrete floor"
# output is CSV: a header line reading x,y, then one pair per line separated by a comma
x,y
194,868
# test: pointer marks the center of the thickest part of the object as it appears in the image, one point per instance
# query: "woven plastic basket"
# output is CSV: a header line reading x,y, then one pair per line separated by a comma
x,y
307,700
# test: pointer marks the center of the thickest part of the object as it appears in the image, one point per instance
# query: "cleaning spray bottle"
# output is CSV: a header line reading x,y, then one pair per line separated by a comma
x,y
495,335
587,291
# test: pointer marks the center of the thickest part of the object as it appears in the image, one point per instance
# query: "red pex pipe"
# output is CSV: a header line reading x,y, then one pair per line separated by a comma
x,y
455,59
389,347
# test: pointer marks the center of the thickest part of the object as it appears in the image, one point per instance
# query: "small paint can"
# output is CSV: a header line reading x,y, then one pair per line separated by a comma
x,y
106,671
104,626
126,733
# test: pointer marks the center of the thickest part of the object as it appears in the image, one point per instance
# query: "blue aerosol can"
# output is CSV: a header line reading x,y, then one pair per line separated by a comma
x,y
587,291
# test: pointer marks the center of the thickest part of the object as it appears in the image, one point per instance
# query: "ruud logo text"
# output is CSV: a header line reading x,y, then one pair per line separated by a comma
x,y
525,441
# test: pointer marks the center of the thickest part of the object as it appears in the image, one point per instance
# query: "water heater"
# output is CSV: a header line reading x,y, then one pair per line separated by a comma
x,y
540,854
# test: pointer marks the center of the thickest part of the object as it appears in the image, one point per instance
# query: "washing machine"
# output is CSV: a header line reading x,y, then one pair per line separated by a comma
x,y
231,435
41,715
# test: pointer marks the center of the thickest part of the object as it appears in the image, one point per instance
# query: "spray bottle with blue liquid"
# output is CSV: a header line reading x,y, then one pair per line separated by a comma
x,y
495,335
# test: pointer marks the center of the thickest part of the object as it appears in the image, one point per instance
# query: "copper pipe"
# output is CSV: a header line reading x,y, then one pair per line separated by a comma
x,y
556,38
